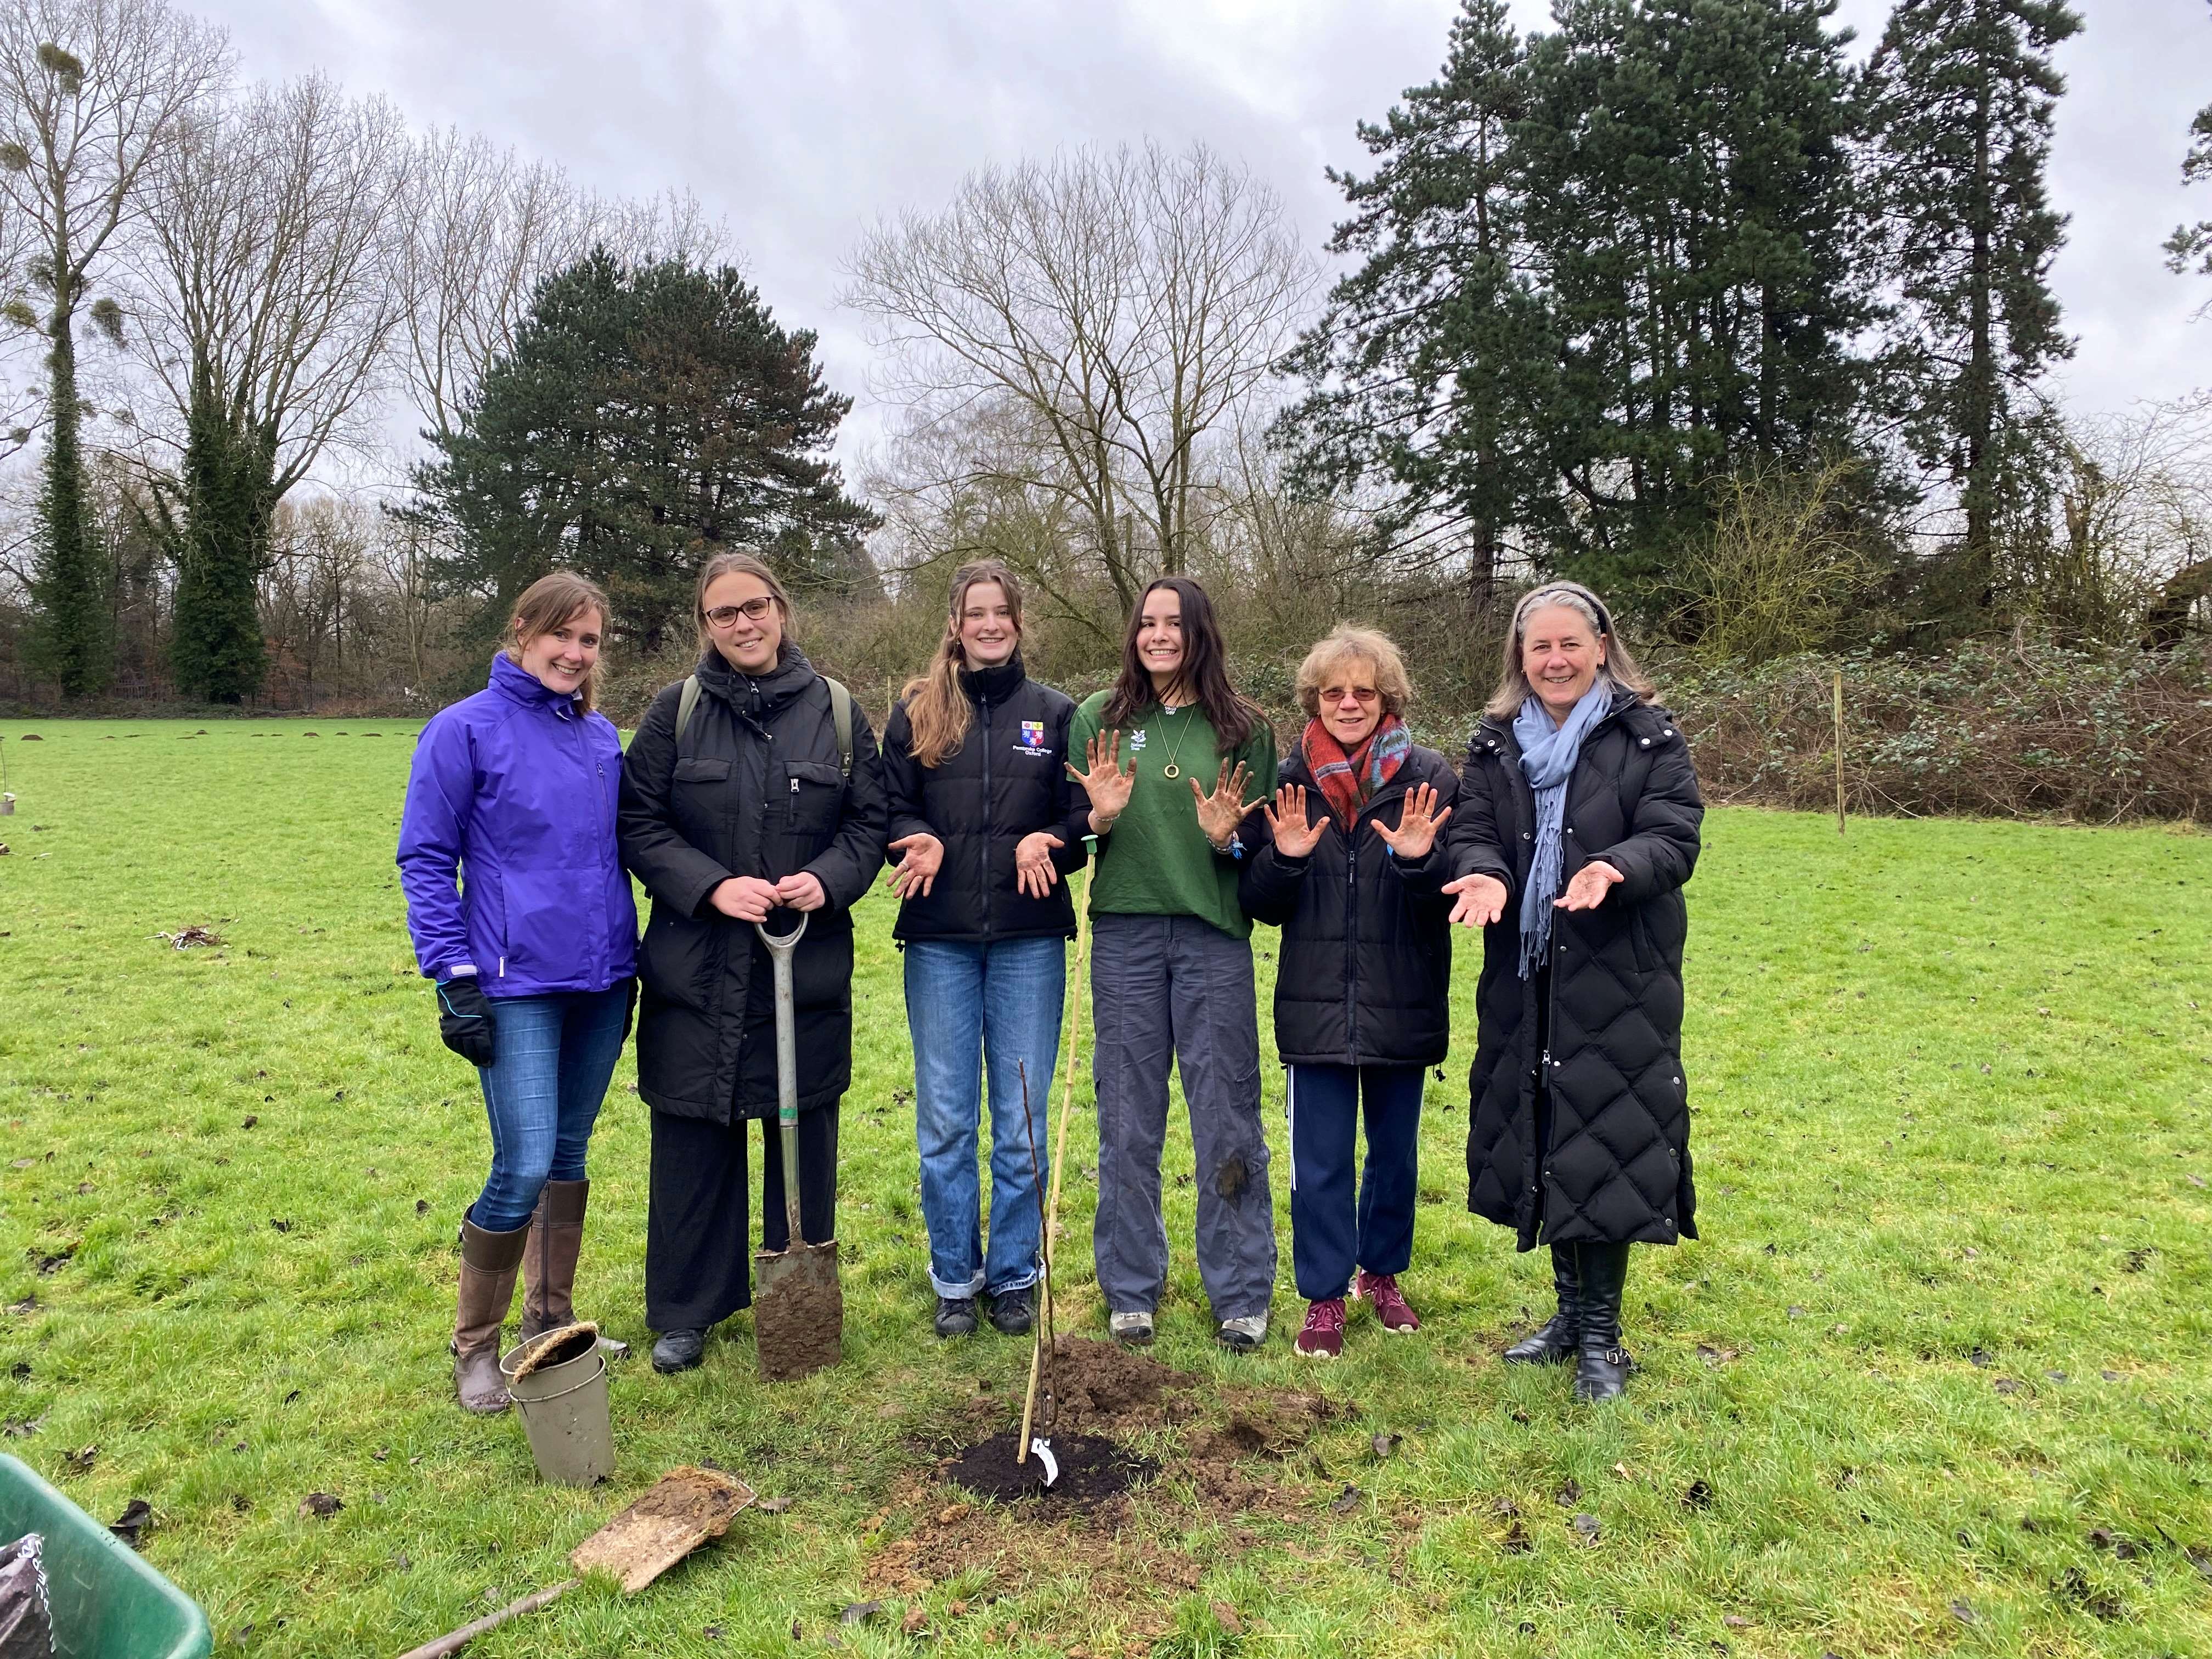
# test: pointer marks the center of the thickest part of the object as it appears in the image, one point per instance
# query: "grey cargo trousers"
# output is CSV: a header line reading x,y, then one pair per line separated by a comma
x,y
1176,988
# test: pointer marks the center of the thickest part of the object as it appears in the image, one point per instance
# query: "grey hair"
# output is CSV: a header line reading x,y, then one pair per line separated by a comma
x,y
1620,667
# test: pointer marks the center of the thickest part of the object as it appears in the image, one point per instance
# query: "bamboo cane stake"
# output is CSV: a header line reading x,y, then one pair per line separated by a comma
x,y
1839,751
1059,1147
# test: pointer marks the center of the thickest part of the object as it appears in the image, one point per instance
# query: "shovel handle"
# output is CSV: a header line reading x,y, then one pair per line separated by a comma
x,y
454,1641
781,949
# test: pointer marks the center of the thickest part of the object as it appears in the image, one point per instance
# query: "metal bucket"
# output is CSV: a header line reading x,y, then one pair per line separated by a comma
x,y
562,1399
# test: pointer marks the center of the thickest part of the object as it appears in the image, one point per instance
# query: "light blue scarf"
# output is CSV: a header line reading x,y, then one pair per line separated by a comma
x,y
1548,754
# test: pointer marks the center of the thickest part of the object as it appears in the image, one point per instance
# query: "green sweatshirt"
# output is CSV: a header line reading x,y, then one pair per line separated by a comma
x,y
1156,862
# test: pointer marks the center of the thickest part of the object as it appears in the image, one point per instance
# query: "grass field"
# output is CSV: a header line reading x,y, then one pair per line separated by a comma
x,y
1937,1379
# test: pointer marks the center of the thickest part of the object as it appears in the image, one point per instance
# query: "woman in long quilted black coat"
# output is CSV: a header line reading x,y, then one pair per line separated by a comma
x,y
1577,826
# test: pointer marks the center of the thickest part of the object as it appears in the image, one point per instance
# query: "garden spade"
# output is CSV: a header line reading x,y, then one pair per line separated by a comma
x,y
798,1308
678,1512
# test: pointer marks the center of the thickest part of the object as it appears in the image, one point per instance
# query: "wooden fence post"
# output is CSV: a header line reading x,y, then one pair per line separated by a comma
x,y
1839,751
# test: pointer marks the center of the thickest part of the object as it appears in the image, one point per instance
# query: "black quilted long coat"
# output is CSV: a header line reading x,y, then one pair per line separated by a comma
x,y
1615,1165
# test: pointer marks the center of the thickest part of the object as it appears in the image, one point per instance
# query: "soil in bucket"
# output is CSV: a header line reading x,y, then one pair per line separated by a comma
x,y
559,1385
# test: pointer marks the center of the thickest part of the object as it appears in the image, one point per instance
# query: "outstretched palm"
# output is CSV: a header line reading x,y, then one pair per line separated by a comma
x,y
1220,812
1106,783
1286,820
1418,824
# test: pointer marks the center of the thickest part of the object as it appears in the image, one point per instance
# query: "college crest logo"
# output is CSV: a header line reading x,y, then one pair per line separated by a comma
x,y
1032,734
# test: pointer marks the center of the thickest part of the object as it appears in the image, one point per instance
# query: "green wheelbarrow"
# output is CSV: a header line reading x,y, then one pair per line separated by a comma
x,y
107,1603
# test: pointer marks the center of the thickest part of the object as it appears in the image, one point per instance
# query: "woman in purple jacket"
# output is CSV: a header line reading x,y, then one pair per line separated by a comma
x,y
512,791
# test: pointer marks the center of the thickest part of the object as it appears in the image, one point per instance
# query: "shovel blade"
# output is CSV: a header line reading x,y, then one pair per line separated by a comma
x,y
680,1511
798,1311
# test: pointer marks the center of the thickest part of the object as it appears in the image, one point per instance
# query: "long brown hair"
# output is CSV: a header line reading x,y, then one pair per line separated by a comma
x,y
1204,672
1513,687
936,708
743,564
556,597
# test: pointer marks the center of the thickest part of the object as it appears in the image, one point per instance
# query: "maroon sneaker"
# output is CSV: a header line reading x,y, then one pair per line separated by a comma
x,y
1381,1293
1323,1335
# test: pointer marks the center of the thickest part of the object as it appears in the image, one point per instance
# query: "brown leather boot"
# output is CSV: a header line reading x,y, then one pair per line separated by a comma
x,y
548,1266
489,1264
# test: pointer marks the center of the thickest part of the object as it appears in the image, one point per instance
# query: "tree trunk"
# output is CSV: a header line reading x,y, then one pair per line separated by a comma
x,y
1981,369
73,644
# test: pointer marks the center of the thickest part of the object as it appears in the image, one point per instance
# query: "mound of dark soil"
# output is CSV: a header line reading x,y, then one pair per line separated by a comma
x,y
1091,1470
1105,1388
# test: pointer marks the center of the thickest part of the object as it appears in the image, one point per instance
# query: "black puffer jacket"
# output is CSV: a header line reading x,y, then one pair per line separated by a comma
x,y
1618,1164
1008,779
754,789
1365,977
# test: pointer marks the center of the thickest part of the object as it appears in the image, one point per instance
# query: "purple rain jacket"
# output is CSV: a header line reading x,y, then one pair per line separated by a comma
x,y
513,791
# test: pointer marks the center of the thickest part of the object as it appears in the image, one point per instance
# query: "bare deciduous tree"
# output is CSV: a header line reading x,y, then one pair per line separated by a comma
x,y
484,227
1127,304
264,280
90,92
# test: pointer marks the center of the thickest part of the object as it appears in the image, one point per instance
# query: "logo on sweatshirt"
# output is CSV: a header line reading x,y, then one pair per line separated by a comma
x,y
1136,740
1032,734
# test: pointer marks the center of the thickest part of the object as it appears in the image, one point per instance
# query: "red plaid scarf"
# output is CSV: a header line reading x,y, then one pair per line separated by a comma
x,y
1349,781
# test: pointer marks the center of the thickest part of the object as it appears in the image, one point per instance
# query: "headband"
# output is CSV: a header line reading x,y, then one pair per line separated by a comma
x,y
1574,590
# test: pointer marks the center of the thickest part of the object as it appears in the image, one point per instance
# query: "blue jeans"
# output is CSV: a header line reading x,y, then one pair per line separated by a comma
x,y
555,1056
966,1005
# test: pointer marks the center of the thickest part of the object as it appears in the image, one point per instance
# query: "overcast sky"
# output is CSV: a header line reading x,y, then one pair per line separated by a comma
x,y
801,122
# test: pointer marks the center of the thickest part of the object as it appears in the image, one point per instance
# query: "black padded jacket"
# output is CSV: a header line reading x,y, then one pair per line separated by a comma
x,y
1008,779
1583,1135
753,788
1364,974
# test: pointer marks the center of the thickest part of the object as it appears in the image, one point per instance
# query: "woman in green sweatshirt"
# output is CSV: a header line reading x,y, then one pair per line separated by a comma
x,y
1171,963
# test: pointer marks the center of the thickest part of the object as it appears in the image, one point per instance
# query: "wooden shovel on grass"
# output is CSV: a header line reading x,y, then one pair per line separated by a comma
x,y
680,1511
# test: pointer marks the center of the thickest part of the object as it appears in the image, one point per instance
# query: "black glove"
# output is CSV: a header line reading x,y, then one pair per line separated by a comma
x,y
465,1019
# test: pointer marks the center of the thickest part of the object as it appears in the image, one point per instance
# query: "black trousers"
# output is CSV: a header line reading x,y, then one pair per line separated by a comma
x,y
698,1251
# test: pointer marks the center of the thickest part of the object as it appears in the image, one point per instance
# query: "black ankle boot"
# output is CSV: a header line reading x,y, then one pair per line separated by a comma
x,y
1603,1365
1555,1341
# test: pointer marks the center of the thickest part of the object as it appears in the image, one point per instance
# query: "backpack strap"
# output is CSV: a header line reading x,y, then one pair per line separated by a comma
x,y
687,701
841,716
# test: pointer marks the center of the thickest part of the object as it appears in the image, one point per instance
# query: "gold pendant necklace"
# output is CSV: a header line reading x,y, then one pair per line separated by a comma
x,y
1171,770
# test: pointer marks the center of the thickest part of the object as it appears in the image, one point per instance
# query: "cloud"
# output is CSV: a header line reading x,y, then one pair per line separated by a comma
x,y
802,123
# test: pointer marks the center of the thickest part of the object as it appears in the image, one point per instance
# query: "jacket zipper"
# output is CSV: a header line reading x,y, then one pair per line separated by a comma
x,y
1351,942
983,841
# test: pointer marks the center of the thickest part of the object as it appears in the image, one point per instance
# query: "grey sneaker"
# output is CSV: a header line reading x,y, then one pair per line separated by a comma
x,y
1242,1335
1132,1330
956,1315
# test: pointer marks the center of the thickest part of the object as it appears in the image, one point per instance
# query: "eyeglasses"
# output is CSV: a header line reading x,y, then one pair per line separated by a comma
x,y
1362,694
726,615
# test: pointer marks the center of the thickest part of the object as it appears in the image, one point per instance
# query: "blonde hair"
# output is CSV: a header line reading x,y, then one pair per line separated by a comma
x,y
740,564
1620,667
1345,643
558,596
936,708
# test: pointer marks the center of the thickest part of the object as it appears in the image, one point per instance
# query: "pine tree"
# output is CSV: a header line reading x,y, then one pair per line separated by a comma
x,y
1604,269
1961,93
1692,197
1431,363
647,415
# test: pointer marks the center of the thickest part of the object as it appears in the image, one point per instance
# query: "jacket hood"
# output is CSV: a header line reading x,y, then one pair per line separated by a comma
x,y
756,697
